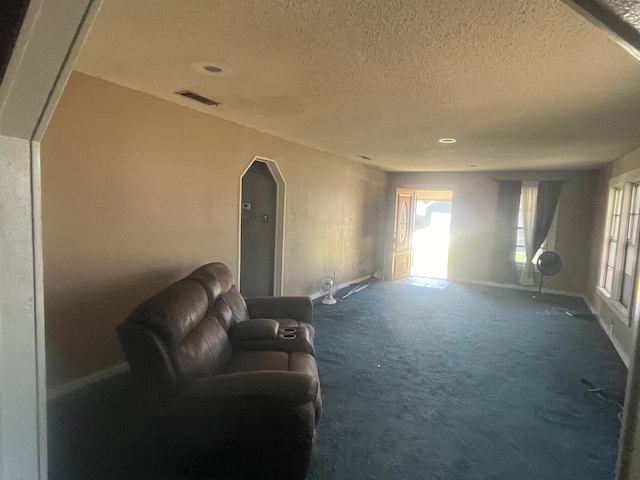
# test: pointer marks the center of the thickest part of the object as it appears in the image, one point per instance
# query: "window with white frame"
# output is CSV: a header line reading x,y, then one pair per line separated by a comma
x,y
630,248
611,250
620,249
548,244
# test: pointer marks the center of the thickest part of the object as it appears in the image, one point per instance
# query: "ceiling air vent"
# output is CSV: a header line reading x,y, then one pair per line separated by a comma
x,y
364,157
198,98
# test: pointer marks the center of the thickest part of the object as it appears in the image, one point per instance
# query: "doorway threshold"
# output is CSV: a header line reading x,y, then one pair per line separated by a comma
x,y
426,282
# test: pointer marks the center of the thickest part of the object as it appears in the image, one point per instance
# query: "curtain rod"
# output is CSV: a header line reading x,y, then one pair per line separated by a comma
x,y
530,180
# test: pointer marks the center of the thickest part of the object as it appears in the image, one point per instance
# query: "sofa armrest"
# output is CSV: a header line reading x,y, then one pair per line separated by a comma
x,y
292,388
296,308
258,329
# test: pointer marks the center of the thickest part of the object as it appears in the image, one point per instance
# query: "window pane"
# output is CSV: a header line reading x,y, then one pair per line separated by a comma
x,y
520,238
627,288
521,256
608,281
633,227
617,202
611,244
636,199
520,219
631,250
615,226
611,261
630,260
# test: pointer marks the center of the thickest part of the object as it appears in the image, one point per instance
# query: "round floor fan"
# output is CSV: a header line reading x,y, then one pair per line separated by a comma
x,y
549,264
327,287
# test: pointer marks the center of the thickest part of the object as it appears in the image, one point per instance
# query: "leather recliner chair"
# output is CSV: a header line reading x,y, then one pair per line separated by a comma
x,y
225,407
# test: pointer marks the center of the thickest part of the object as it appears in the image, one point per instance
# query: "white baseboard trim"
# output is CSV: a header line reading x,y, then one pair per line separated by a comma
x,y
608,329
590,305
511,286
61,390
342,285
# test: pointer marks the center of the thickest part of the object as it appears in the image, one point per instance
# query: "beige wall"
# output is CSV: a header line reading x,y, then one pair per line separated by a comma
x,y
475,197
621,334
137,192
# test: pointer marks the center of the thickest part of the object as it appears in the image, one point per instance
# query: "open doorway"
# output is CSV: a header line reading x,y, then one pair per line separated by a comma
x,y
258,237
262,199
431,234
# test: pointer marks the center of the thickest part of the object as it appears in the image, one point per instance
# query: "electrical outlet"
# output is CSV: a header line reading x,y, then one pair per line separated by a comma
x,y
335,274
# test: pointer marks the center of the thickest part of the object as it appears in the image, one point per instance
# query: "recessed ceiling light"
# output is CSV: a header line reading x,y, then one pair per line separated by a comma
x,y
447,140
211,68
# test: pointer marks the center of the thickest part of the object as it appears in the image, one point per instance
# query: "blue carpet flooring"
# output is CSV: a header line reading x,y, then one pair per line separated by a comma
x,y
424,282
468,382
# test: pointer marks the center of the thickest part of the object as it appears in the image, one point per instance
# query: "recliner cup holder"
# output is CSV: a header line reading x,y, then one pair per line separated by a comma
x,y
288,336
289,329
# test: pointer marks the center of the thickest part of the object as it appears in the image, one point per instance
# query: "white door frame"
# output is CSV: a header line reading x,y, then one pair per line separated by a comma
x,y
50,38
281,193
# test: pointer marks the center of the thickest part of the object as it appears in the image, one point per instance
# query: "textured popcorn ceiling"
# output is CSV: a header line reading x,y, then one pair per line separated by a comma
x,y
520,84
629,10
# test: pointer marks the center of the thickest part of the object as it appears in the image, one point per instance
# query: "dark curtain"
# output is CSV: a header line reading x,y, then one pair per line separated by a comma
x,y
503,265
548,196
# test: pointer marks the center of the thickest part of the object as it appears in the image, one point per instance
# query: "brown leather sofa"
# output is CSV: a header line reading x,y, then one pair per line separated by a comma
x,y
232,385
264,323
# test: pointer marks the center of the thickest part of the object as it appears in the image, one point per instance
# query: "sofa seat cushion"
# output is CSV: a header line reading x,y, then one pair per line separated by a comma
x,y
257,361
279,361
260,394
258,329
298,362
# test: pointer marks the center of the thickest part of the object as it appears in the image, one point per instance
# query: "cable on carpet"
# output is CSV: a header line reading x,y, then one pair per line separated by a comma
x,y
356,289
605,395
565,311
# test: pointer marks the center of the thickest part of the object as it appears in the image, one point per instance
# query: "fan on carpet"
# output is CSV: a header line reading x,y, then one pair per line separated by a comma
x,y
327,287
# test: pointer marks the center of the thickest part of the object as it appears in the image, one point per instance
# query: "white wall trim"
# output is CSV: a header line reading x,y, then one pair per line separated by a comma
x,y
615,306
342,285
592,308
46,48
608,329
489,283
61,390
281,192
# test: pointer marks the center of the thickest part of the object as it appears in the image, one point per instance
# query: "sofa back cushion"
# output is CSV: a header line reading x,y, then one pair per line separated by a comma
x,y
195,342
225,302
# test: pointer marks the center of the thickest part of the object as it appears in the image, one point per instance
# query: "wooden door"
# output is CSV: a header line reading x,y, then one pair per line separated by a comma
x,y
403,232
